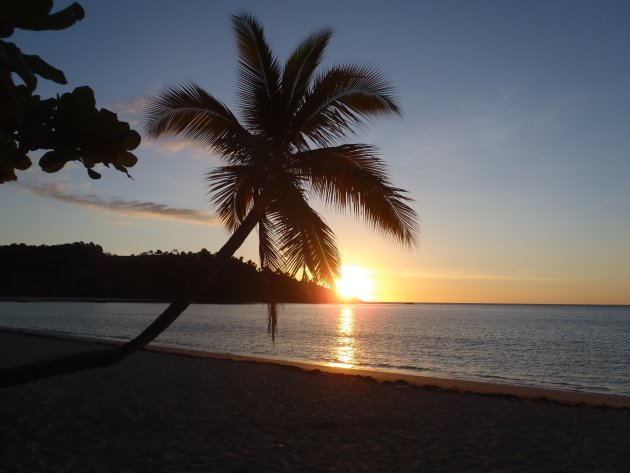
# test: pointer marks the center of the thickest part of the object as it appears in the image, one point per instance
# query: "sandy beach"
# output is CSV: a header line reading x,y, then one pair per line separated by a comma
x,y
174,413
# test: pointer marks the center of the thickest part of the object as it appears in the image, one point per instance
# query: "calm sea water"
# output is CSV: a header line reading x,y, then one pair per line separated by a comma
x,y
579,348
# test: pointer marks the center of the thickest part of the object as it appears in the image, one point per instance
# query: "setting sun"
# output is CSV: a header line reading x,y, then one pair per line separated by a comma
x,y
355,283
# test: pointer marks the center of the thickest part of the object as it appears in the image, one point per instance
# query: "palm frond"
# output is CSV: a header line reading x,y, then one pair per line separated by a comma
x,y
269,260
354,177
303,237
342,100
258,86
268,252
272,318
186,109
233,190
300,68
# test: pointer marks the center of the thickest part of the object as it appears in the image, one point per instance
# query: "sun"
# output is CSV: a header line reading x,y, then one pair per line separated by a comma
x,y
355,283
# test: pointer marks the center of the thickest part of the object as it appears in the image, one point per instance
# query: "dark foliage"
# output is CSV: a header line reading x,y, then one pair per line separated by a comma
x,y
69,127
83,270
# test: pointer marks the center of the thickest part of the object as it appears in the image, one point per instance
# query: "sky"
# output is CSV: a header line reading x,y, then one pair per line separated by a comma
x,y
514,140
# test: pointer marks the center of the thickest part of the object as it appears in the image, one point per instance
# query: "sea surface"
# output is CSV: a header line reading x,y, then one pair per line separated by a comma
x,y
574,348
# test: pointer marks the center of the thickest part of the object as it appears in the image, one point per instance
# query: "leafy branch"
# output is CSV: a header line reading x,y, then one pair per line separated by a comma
x,y
69,127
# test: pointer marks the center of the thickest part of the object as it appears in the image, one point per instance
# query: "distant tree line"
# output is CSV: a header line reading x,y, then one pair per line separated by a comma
x,y
84,270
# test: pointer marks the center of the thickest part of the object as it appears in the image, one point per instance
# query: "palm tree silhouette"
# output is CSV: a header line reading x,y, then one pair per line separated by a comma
x,y
286,148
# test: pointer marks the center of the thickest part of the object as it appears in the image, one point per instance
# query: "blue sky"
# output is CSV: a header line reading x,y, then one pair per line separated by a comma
x,y
513,142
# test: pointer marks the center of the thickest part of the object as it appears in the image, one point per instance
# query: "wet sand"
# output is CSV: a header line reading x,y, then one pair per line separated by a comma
x,y
169,412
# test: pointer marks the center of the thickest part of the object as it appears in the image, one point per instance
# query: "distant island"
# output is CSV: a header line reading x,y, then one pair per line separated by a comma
x,y
84,271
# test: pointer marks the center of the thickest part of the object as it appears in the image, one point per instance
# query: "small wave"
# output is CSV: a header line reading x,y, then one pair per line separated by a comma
x,y
388,366
495,377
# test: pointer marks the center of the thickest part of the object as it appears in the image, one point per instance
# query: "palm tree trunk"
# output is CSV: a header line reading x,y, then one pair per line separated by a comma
x,y
100,358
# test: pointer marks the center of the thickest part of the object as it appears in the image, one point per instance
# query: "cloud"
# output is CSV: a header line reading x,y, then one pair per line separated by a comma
x,y
128,107
194,148
130,208
129,111
132,110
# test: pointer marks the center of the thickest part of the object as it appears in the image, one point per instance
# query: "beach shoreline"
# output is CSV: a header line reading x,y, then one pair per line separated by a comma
x,y
158,411
575,398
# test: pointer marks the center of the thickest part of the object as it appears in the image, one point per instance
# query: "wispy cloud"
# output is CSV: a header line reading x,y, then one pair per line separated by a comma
x,y
179,145
130,111
130,208
129,107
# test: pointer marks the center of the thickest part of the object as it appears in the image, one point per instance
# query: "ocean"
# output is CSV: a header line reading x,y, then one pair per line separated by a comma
x,y
571,348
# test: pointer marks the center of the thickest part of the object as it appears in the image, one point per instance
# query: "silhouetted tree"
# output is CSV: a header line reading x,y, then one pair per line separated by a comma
x,y
70,127
286,146
84,270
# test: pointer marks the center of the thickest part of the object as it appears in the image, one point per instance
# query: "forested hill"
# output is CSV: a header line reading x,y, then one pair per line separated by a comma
x,y
83,270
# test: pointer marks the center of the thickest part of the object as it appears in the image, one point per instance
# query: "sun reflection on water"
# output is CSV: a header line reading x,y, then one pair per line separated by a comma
x,y
344,350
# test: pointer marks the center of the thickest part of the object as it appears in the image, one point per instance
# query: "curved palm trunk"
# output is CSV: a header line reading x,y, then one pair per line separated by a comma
x,y
99,358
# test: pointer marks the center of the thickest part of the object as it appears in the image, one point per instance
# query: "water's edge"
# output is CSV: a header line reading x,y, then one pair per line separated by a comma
x,y
566,348
572,398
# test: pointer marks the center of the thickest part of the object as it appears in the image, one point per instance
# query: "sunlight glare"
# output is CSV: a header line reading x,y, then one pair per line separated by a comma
x,y
355,283
345,341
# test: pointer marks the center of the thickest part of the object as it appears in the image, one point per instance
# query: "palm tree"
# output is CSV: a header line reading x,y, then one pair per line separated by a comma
x,y
286,148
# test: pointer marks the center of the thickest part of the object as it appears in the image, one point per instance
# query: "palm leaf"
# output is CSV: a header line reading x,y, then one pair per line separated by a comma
x,y
300,68
268,252
270,259
272,316
258,86
354,177
233,190
340,101
303,237
187,109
